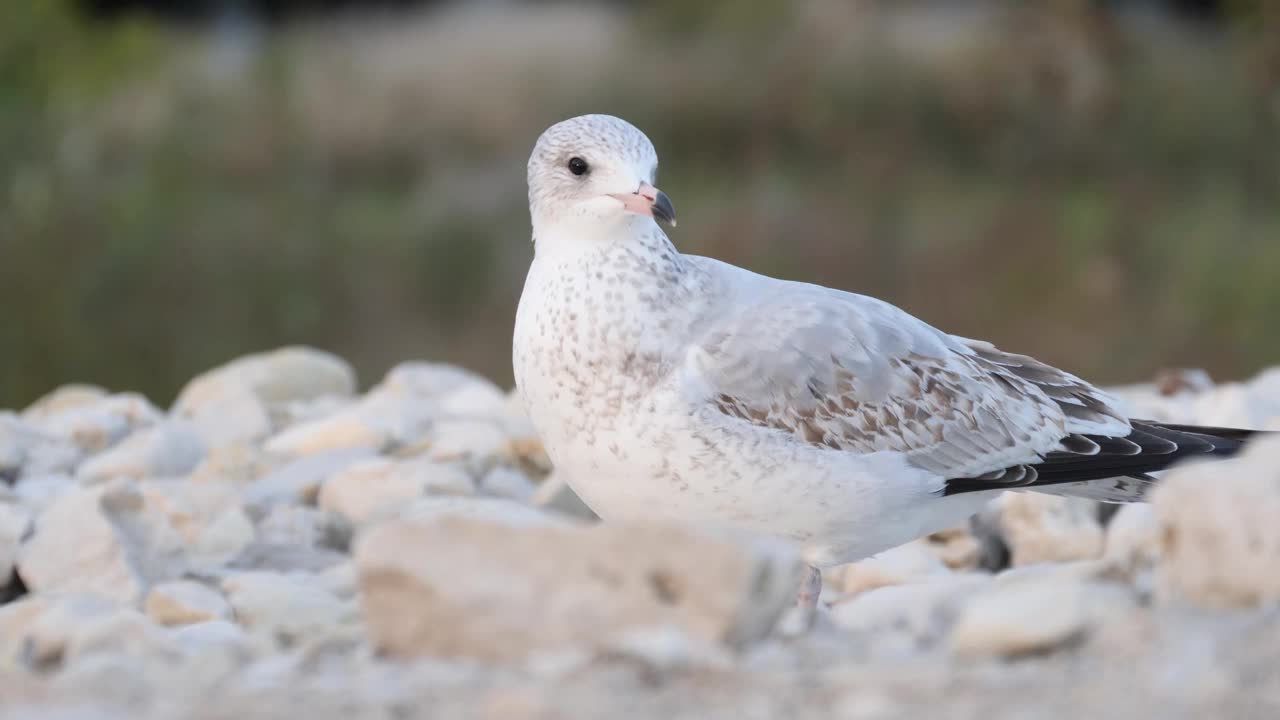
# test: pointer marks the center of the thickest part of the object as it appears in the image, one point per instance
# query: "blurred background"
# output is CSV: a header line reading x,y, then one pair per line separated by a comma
x,y
1095,183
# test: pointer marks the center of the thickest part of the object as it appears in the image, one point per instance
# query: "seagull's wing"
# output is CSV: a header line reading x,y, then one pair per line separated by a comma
x,y
854,374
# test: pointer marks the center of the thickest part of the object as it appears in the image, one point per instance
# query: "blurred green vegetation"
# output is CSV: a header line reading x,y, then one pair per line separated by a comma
x,y
1101,193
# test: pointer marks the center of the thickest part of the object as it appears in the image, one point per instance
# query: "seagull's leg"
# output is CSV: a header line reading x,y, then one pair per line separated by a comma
x,y
800,619
810,589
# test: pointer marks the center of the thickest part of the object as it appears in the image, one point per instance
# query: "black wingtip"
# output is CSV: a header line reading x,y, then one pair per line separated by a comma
x,y
1150,447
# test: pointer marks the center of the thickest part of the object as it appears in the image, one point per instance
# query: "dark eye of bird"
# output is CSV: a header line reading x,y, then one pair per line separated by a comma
x,y
578,166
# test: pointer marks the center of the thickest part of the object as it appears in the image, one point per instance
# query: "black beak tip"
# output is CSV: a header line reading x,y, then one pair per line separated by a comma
x,y
663,210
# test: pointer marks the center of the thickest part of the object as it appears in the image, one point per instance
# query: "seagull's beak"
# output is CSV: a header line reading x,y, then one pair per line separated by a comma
x,y
649,200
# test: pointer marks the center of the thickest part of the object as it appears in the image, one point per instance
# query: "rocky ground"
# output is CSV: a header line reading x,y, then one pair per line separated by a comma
x,y
276,544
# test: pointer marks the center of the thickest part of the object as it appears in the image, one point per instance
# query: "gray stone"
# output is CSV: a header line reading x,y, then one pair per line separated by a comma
x,y
547,589
498,510
923,610
59,400
912,562
102,540
298,482
184,602
1033,616
15,522
285,558
476,442
345,430
46,630
1049,528
97,425
36,492
166,449
1217,533
275,378
26,450
371,487
231,414
290,609
507,482
210,518
305,527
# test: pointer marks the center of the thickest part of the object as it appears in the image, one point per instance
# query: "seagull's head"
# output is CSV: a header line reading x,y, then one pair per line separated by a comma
x,y
595,170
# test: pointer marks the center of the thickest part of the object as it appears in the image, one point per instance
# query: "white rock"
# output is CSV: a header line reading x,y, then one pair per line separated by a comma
x,y
343,431
199,637
957,548
1075,571
101,540
168,449
1048,528
304,411
1264,392
288,608
305,527
286,558
184,602
233,414
341,580
36,492
923,610
52,458
365,489
62,399
27,450
96,426
477,398
276,378
44,630
1014,619
1219,540
496,510
507,482
555,494
398,412
380,420
214,654
546,589
1133,542
236,462
667,648
209,518
298,482
477,442
15,521
403,418
912,562
426,380
1254,404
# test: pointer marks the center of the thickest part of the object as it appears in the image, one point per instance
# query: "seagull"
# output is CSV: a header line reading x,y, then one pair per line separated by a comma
x,y
675,387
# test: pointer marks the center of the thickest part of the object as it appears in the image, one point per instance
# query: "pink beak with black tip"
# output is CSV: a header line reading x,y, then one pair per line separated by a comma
x,y
649,200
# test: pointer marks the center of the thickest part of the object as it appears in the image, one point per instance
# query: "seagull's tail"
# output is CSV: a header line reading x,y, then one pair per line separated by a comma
x,y
1117,469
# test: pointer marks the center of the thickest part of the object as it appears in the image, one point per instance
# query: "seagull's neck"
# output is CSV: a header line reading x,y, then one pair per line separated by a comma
x,y
573,238
630,271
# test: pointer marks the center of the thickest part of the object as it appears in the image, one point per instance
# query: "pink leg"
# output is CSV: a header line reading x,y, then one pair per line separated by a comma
x,y
810,589
801,618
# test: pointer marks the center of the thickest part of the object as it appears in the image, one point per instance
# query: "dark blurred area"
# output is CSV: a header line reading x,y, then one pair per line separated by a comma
x,y
1093,183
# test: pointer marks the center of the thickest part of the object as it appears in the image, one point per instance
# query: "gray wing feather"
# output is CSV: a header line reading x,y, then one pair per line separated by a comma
x,y
855,374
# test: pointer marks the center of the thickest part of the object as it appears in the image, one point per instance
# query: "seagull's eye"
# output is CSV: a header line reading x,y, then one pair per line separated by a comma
x,y
578,166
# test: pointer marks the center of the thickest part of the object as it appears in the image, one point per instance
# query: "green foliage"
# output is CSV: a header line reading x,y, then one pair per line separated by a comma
x,y
161,212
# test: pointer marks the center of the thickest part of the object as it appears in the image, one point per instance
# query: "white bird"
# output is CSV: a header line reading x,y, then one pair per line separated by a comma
x,y
677,387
